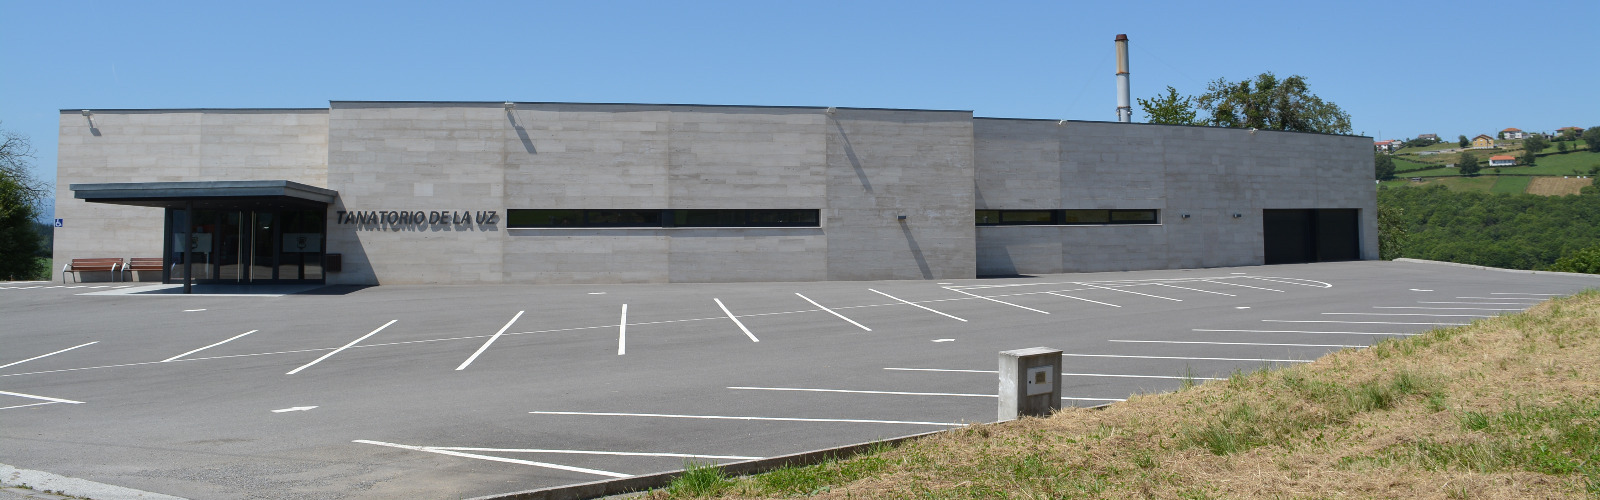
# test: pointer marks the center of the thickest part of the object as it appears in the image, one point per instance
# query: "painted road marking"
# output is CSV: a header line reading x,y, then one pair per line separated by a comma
x,y
1519,293
589,452
722,417
914,304
1506,298
897,393
1083,299
831,311
15,363
1302,331
1233,343
41,398
486,343
1421,314
230,339
1184,357
1063,374
297,408
495,459
346,346
1448,308
997,300
1242,307
29,404
1291,281
622,332
944,340
1246,286
192,310
1196,289
736,320
1135,293
1420,290
1355,322
1479,303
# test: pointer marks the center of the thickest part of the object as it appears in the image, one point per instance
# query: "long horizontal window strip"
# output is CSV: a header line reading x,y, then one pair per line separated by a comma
x,y
517,218
1067,217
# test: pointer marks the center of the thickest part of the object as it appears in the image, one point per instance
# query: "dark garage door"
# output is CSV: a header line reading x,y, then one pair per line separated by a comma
x,y
1315,235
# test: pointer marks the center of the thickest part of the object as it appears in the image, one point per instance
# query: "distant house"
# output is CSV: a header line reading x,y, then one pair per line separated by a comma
x,y
1502,161
1429,137
1482,141
1386,146
1573,131
1513,133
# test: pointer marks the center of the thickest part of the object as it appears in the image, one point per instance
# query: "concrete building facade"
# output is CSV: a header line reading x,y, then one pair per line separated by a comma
x,y
473,193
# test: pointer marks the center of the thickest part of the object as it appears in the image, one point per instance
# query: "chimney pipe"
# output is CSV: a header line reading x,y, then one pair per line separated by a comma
x,y
1124,100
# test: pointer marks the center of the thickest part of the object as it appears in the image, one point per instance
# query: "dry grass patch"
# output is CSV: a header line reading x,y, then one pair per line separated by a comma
x,y
1556,186
1508,407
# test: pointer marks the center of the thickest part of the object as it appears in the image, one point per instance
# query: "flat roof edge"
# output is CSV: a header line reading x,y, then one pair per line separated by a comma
x,y
195,110
486,104
1108,122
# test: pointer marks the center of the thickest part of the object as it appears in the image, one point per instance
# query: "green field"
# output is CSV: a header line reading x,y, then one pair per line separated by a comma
x,y
1511,184
1554,164
1508,184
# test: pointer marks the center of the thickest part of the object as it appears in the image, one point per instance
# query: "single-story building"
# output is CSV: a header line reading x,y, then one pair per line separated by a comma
x,y
1502,161
368,192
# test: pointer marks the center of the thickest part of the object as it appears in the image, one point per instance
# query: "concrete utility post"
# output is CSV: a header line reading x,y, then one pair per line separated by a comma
x,y
1028,382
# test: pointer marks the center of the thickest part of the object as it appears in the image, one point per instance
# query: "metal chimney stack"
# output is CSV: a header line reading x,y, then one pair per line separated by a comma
x,y
1124,100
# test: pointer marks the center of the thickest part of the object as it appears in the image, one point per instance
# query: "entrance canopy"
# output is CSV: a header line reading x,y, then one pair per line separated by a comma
x,y
207,194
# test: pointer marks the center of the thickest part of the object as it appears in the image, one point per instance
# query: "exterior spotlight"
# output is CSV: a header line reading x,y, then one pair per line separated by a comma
x,y
87,112
510,105
1061,123
1184,215
832,110
1238,215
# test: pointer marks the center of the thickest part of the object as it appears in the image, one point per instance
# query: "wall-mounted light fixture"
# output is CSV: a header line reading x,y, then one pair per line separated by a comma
x,y
89,115
1061,123
510,105
1238,215
1184,215
900,218
831,110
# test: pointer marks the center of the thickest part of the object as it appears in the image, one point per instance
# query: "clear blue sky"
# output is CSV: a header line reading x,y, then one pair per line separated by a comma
x,y
1400,69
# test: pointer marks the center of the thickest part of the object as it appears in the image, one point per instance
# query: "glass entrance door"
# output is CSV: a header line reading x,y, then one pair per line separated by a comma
x,y
246,246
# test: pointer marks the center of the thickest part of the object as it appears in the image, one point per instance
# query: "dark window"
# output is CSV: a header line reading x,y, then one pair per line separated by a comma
x,y
531,218
1065,217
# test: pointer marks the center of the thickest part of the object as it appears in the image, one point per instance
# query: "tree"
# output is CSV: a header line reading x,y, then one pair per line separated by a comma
x,y
1528,158
1391,231
1463,141
1561,147
1269,103
1582,261
1383,167
1468,163
20,196
1592,136
1535,144
1172,109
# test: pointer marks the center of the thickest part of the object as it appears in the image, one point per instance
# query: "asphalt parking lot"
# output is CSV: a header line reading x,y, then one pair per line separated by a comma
x,y
455,391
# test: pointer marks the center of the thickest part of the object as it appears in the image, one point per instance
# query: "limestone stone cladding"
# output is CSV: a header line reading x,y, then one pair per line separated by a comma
x,y
169,146
861,169
1209,173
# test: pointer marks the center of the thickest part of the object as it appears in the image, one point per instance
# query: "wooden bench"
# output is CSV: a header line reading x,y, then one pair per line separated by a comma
x,y
90,265
137,264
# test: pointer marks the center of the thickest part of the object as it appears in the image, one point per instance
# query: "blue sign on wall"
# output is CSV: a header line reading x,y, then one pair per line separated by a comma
x,y
58,222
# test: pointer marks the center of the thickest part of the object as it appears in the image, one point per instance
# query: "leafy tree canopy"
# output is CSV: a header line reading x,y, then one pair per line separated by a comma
x,y
1383,167
20,196
1535,144
1468,163
1270,103
1592,136
1171,109
1516,231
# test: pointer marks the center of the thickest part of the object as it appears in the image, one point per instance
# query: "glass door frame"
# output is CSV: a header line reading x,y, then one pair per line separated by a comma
x,y
247,243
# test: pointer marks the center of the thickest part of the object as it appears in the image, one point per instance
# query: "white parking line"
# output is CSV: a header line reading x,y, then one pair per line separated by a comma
x,y
482,348
495,459
1083,299
1287,281
41,398
736,320
1448,308
1195,289
914,304
29,404
1063,374
588,452
1302,331
831,311
898,393
1519,293
1246,286
1355,322
1479,303
15,363
1506,298
1233,343
1420,314
622,332
997,300
230,339
346,346
1184,357
722,417
1133,292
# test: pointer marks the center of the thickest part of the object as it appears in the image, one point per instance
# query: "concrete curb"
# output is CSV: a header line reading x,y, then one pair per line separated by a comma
x,y
1487,268
609,487
596,489
45,481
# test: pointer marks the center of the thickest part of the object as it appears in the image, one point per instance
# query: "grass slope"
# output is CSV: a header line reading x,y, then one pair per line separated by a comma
x,y
1508,407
